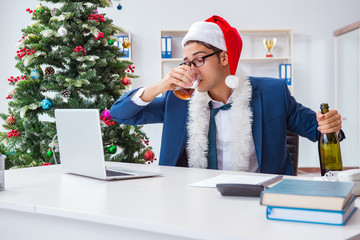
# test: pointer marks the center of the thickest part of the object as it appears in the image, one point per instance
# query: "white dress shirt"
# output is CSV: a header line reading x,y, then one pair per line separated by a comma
x,y
223,134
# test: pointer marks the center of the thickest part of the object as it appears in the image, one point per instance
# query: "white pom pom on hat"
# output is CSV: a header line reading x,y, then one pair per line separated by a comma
x,y
217,32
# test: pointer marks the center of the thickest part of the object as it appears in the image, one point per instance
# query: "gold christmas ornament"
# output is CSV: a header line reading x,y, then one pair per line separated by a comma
x,y
39,8
126,44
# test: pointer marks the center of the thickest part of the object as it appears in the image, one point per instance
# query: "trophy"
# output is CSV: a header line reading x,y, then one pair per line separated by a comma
x,y
269,44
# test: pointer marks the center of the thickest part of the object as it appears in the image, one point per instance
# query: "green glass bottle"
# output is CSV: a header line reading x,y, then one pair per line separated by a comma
x,y
329,149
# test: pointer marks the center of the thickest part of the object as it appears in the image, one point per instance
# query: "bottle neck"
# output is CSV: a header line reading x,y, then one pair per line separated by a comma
x,y
324,108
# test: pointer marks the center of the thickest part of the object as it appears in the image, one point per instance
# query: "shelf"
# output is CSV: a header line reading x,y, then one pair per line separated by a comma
x,y
172,60
253,57
262,31
265,59
120,36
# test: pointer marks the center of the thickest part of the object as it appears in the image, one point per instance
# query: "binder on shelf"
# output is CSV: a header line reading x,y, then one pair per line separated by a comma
x,y
163,47
169,47
285,73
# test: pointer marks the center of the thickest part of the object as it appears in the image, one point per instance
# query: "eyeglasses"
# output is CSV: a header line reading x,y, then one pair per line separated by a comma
x,y
198,62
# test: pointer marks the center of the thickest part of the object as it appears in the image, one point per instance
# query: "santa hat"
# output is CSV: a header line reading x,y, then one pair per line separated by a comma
x,y
217,32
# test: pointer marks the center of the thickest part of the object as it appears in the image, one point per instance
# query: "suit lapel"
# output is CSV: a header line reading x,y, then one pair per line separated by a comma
x,y
256,106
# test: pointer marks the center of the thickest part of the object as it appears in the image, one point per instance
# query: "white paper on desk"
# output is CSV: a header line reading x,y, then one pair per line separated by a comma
x,y
243,179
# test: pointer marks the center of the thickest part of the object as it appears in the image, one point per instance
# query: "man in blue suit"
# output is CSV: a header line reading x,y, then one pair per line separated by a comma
x,y
232,122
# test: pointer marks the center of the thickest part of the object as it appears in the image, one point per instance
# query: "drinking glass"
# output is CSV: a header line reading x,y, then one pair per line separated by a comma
x,y
186,93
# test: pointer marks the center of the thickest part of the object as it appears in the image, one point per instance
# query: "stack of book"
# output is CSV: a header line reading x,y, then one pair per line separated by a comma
x,y
310,201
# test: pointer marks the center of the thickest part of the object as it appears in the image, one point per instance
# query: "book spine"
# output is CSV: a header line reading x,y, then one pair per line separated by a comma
x,y
295,216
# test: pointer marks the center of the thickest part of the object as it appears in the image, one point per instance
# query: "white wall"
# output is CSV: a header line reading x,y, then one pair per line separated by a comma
x,y
313,23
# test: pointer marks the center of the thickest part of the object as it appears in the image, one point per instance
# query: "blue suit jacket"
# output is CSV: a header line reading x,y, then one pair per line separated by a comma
x,y
274,112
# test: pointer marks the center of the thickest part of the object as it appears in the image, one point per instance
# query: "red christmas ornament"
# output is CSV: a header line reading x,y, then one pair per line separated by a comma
x,y
149,156
126,80
46,164
11,120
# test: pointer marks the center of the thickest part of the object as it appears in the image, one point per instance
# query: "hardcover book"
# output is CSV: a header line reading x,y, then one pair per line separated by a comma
x,y
313,215
308,194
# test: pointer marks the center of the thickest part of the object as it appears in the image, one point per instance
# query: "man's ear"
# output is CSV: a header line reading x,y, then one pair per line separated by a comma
x,y
224,60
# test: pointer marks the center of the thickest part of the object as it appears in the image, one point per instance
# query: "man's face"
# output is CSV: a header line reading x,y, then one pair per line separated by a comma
x,y
211,73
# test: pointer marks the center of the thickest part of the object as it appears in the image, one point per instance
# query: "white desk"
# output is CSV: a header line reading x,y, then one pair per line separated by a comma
x,y
43,203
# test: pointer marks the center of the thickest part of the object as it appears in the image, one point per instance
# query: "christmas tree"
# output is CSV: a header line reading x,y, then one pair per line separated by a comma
x,y
68,59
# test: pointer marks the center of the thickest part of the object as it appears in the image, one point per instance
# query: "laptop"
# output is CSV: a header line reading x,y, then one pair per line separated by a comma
x,y
81,146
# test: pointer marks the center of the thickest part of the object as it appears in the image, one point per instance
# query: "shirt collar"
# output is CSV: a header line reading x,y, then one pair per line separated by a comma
x,y
217,104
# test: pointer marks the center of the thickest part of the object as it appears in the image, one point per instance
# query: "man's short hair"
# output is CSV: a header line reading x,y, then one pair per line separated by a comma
x,y
209,46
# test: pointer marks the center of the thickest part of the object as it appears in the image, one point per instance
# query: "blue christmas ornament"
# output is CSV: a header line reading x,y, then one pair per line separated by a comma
x,y
35,74
119,7
46,104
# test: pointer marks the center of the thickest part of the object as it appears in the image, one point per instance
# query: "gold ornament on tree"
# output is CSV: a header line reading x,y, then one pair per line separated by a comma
x,y
126,43
39,8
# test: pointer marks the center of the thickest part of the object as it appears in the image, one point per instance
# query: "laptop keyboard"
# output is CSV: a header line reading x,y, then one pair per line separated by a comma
x,y
110,173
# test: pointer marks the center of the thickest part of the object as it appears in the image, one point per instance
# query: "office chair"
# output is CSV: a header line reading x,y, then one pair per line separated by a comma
x,y
292,144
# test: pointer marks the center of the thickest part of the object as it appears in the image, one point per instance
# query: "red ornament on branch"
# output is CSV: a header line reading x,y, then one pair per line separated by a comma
x,y
149,156
11,120
126,80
